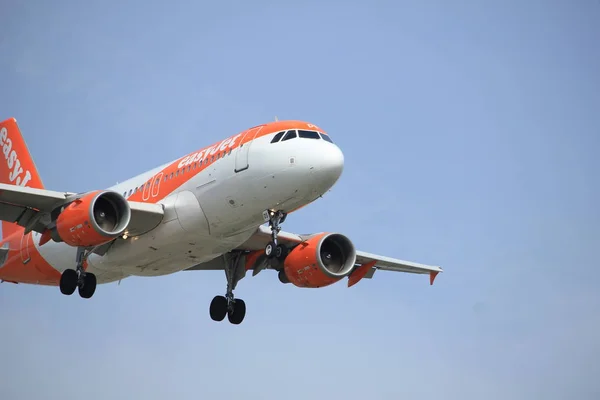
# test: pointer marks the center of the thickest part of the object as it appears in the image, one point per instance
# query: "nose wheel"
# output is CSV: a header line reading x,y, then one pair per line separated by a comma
x,y
72,279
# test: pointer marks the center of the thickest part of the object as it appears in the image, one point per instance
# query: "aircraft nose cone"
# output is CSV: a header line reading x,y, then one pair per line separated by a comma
x,y
333,162
330,166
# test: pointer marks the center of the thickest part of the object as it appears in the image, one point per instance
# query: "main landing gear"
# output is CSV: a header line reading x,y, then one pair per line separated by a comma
x,y
273,249
78,278
228,305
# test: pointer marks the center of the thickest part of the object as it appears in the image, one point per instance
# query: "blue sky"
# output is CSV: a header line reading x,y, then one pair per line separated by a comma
x,y
470,132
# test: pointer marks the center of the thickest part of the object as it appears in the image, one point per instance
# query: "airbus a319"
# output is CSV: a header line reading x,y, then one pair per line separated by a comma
x,y
217,208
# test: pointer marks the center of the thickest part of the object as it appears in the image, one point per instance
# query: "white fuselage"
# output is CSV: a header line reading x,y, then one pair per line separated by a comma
x,y
215,211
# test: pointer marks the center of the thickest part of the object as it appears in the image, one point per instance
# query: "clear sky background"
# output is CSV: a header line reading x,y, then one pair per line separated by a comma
x,y
470,130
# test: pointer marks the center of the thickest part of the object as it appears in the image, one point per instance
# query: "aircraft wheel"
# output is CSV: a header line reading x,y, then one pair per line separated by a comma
x,y
218,308
270,250
68,282
283,277
88,288
281,252
239,312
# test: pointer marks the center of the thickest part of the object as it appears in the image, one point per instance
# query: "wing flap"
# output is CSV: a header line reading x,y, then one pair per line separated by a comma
x,y
27,206
11,212
392,264
39,199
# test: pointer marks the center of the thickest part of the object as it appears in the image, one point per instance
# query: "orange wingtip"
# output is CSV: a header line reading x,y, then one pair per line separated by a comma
x,y
432,276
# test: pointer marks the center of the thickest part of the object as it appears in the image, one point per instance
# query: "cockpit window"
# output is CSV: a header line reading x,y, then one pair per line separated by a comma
x,y
289,135
326,137
277,137
309,134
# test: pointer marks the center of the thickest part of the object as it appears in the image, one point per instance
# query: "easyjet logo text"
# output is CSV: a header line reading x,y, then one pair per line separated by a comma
x,y
16,175
209,151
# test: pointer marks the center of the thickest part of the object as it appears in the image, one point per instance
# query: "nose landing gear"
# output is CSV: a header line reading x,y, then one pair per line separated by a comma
x,y
273,249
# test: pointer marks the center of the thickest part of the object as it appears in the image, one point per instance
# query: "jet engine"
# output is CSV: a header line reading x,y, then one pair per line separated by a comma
x,y
92,220
320,261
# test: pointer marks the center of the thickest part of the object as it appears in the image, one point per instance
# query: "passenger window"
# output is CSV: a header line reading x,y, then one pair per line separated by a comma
x,y
326,137
171,175
125,194
289,135
277,137
130,192
309,134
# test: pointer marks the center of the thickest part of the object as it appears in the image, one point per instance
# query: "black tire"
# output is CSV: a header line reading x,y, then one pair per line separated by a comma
x,y
218,308
89,286
281,252
283,277
239,312
270,250
68,282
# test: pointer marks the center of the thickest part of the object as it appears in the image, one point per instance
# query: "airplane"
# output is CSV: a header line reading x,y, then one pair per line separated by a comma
x,y
217,208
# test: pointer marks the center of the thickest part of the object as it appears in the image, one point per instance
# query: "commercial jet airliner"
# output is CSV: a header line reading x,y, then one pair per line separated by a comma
x,y
217,208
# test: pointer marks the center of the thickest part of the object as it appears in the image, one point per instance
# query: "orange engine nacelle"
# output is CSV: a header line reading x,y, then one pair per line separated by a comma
x,y
320,261
93,219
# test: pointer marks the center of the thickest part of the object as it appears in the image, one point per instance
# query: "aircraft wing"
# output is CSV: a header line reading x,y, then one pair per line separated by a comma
x,y
31,208
366,263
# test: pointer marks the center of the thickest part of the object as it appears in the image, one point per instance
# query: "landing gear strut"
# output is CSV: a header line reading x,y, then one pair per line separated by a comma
x,y
78,278
273,249
235,269
228,305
